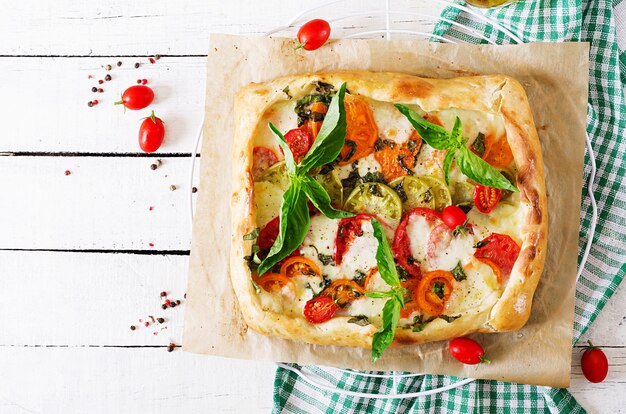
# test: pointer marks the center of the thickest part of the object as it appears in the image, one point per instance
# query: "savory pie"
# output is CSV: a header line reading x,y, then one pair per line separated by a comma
x,y
409,148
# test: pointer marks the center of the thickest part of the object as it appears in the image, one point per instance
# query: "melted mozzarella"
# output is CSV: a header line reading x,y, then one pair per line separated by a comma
x,y
267,198
418,229
372,308
321,240
392,125
460,249
506,218
283,117
361,254
474,122
477,292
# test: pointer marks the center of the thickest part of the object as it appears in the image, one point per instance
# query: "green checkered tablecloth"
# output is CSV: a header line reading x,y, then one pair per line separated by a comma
x,y
591,21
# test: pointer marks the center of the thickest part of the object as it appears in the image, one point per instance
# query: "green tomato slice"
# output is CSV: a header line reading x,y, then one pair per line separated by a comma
x,y
462,193
418,193
439,190
276,174
332,185
374,198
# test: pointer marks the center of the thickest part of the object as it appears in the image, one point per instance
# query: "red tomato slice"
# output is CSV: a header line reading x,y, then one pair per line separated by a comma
x,y
486,198
267,237
501,250
299,142
401,246
348,230
361,130
262,159
320,309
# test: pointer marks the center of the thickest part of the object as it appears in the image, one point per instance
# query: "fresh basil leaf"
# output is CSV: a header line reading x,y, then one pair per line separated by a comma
x,y
289,161
384,257
481,243
384,336
326,259
419,323
447,163
480,171
379,295
457,132
331,137
438,289
320,198
458,272
294,225
252,235
360,320
434,135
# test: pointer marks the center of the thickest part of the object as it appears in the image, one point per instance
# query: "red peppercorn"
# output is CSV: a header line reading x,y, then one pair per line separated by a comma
x,y
151,60
144,81
171,347
167,301
146,323
95,102
100,90
67,172
100,81
163,294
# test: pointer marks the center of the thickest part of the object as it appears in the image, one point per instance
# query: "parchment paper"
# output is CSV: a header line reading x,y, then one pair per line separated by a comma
x,y
555,78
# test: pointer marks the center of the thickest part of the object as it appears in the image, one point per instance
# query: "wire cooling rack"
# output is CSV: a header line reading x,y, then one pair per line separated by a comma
x,y
388,22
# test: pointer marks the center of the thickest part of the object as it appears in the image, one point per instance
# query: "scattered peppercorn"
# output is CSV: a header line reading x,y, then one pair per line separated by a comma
x,y
94,89
157,57
153,166
90,104
107,78
185,296
100,90
144,81
178,302
146,323
95,102
67,172
119,64
100,81
172,187
171,347
167,301
194,190
158,163
160,320
137,65
173,305
163,294
132,327
164,306
108,67
151,60
138,81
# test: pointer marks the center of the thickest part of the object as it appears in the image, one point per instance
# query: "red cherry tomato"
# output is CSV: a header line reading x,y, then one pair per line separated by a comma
x,y
299,142
262,159
401,245
313,34
151,133
453,216
136,97
594,364
348,230
267,237
486,198
501,250
468,351
320,309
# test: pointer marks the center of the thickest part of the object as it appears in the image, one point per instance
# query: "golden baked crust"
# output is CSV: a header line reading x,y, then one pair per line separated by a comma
x,y
495,94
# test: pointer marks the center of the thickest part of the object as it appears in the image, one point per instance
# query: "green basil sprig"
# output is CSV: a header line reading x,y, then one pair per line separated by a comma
x,y
294,211
391,311
469,163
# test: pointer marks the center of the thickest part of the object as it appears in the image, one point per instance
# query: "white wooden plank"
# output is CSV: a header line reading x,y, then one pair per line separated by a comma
x,y
610,326
118,380
103,204
117,27
45,103
104,380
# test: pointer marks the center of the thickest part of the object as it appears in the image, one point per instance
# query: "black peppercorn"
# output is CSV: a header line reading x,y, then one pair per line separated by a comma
x,y
163,294
171,347
136,65
160,320
132,327
119,64
178,302
172,304
90,104
94,89
107,78
164,306
153,167
194,190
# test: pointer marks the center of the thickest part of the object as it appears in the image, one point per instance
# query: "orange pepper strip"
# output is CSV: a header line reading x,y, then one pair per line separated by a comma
x,y
273,282
427,299
298,265
343,291
410,301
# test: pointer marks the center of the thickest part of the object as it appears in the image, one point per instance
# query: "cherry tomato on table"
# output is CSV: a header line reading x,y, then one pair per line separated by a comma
x,y
453,216
501,250
151,133
320,309
136,97
594,364
468,351
313,34
486,198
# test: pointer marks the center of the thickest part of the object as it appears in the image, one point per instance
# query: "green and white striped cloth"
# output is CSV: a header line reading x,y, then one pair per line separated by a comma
x,y
591,21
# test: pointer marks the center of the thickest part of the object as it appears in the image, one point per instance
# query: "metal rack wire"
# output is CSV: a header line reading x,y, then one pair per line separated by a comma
x,y
387,32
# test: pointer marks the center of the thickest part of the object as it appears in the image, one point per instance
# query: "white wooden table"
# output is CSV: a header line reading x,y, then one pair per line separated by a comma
x,y
83,256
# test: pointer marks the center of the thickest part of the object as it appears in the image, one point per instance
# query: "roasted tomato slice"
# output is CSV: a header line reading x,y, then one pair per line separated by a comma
x,y
361,130
499,249
348,230
320,309
296,266
433,290
486,198
299,142
318,110
262,159
343,291
401,246
500,154
398,160
274,282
